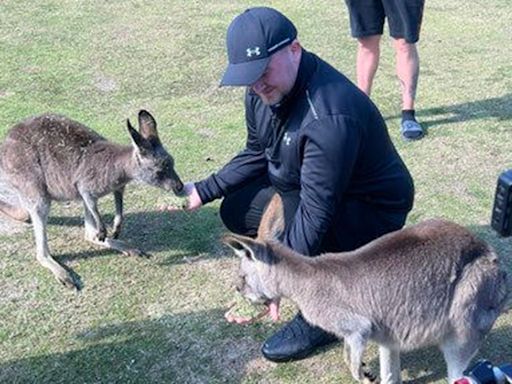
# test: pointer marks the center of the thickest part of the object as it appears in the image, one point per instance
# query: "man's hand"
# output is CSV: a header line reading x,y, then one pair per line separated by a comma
x,y
193,200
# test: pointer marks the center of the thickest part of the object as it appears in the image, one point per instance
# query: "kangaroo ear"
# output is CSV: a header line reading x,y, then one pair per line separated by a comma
x,y
240,245
136,137
147,125
249,248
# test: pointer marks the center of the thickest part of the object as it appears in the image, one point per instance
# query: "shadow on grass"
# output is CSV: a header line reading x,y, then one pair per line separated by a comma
x,y
428,364
502,245
195,347
495,107
181,234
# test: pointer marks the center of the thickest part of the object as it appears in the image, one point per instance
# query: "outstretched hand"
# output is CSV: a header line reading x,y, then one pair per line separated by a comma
x,y
193,201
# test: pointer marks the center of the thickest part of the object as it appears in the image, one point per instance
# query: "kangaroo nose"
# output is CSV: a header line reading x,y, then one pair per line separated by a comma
x,y
178,187
239,284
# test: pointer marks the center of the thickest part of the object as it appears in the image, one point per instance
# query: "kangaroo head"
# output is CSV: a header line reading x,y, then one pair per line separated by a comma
x,y
155,164
256,281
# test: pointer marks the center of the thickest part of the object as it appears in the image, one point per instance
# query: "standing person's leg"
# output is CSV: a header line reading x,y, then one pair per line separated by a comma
x,y
407,71
366,24
404,19
367,62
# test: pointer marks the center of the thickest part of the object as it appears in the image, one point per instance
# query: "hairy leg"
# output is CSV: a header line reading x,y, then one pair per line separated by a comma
x,y
355,345
458,354
118,219
91,208
407,70
367,61
389,360
39,215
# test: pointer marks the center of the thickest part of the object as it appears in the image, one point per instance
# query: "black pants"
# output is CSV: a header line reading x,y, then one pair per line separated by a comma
x,y
355,224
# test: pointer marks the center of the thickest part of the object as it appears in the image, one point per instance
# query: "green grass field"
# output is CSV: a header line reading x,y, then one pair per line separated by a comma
x,y
161,320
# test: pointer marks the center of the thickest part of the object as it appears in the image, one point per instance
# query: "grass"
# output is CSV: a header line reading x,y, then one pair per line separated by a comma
x,y
160,320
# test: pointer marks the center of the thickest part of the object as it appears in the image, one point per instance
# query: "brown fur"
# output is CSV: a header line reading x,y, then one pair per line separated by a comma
x,y
53,158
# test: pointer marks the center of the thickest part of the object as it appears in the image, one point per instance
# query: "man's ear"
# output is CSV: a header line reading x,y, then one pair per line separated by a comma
x,y
249,248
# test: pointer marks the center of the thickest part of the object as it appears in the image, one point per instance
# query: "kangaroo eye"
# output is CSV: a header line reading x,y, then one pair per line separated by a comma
x,y
161,174
167,164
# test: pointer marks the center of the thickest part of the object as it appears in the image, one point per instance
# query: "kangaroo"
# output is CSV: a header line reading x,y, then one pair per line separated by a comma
x,y
53,158
433,283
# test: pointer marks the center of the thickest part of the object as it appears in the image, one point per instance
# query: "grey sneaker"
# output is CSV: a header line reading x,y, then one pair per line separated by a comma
x,y
411,130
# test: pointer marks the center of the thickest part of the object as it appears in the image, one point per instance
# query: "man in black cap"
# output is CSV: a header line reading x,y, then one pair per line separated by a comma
x,y
318,141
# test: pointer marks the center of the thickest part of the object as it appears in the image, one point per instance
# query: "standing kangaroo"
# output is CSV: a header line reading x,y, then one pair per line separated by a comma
x,y
51,157
430,284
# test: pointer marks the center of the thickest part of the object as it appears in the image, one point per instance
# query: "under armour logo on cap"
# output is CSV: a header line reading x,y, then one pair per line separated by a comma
x,y
252,37
254,51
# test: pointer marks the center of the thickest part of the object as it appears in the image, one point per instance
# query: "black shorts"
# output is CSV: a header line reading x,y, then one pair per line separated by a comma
x,y
404,18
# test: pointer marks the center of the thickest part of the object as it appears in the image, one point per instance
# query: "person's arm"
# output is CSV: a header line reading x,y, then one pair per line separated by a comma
x,y
329,155
250,163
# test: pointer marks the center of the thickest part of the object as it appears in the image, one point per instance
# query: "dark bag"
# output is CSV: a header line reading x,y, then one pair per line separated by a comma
x,y
501,220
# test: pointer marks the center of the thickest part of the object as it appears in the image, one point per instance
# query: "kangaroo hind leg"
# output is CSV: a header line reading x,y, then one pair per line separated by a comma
x,y
458,354
39,215
389,361
355,345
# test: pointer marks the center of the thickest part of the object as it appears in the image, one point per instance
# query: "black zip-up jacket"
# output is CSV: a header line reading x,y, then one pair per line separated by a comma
x,y
326,139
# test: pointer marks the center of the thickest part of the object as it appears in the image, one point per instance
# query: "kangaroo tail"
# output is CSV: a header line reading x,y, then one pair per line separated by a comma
x,y
272,223
14,212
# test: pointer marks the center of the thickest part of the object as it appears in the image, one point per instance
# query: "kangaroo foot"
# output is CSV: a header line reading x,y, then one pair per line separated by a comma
x,y
68,278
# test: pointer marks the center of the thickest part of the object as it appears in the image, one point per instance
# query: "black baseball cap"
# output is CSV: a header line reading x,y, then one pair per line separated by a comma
x,y
252,37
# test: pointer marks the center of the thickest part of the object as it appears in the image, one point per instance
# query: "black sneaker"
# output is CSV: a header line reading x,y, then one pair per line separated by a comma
x,y
295,341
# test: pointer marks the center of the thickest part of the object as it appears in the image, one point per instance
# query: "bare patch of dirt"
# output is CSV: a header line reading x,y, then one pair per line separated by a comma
x,y
104,83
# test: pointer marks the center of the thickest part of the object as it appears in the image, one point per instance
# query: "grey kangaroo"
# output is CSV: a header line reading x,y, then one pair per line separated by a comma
x,y
53,158
433,283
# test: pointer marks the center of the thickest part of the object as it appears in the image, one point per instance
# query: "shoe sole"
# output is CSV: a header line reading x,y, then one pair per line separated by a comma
x,y
286,359
297,356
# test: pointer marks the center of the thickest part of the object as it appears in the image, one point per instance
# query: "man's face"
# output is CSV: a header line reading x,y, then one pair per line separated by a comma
x,y
280,75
